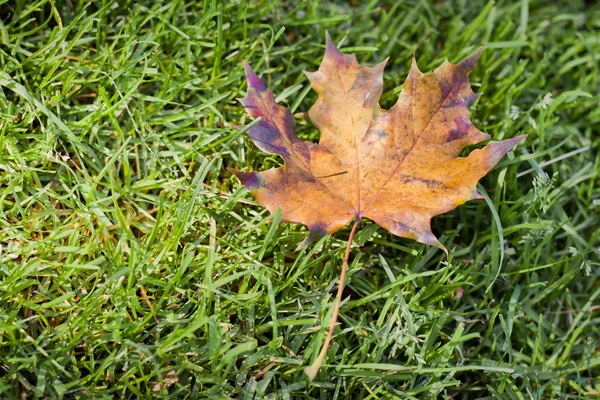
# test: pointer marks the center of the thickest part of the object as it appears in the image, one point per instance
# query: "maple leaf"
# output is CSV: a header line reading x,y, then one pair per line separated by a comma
x,y
399,167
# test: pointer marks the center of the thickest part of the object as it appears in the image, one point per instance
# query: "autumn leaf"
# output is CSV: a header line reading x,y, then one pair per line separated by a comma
x,y
168,380
399,167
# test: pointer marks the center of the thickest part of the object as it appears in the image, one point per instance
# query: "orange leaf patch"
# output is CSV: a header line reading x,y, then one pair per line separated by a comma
x,y
398,167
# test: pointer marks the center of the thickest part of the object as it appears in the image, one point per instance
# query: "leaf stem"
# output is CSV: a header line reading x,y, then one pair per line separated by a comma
x,y
314,368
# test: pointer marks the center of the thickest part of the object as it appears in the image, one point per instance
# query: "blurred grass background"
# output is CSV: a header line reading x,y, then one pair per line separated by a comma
x,y
133,265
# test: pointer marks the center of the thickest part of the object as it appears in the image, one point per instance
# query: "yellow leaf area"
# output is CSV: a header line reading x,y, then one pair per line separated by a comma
x,y
398,167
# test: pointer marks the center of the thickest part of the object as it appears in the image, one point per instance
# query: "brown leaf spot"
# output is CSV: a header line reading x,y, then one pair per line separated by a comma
x,y
462,128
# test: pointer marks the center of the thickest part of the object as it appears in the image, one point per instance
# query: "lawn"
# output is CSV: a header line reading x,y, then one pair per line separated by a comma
x,y
134,265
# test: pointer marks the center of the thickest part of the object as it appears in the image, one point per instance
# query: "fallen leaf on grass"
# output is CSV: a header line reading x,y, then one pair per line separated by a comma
x,y
169,380
398,167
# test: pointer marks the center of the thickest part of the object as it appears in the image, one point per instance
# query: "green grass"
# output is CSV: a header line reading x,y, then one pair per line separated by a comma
x,y
133,265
